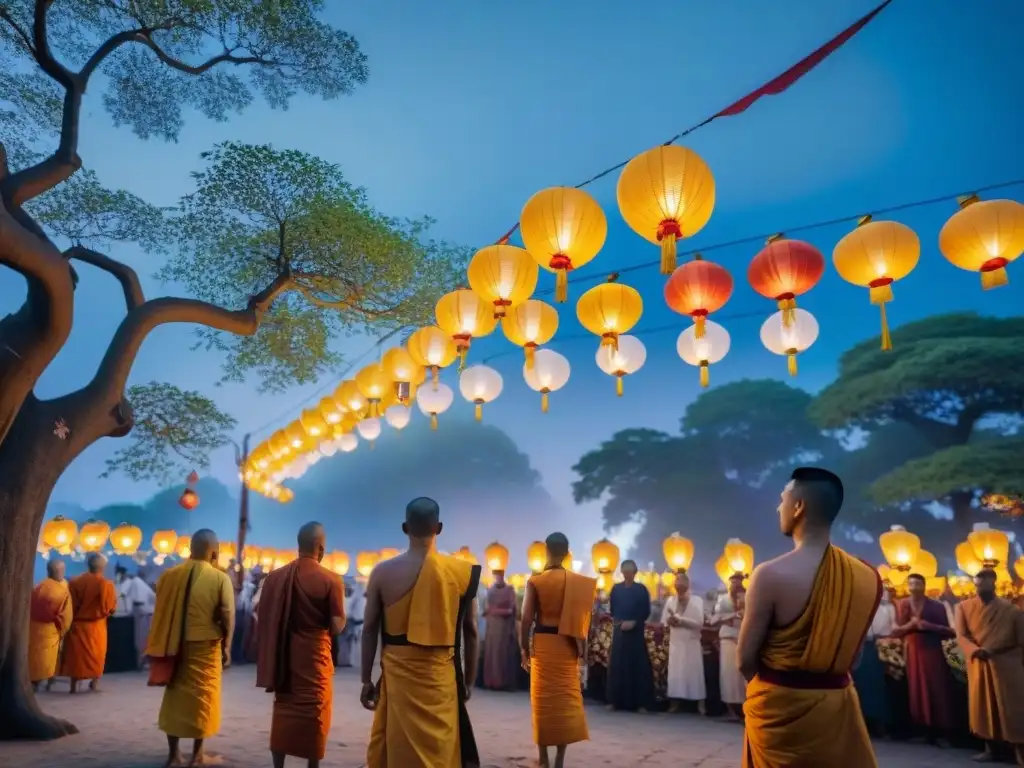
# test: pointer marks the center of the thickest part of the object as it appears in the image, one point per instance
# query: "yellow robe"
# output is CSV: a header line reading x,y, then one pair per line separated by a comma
x,y
801,711
191,703
420,721
50,621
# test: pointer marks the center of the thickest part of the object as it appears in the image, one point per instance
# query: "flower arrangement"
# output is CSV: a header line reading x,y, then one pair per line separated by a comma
x,y
890,653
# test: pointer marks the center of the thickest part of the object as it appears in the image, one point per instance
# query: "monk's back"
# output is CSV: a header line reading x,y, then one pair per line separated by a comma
x,y
550,589
396,577
792,577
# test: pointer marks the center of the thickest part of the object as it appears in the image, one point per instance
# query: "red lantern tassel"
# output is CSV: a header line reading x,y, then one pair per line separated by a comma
x,y
618,386
791,359
433,421
705,374
544,401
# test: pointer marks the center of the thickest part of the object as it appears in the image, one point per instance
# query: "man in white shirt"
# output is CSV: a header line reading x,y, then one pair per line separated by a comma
x,y
135,598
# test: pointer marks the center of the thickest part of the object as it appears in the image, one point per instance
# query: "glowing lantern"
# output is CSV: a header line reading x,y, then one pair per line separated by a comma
x,y
740,556
605,556
966,560
925,564
351,396
280,446
387,553
563,229
330,411
284,557
883,572
433,401
608,310
785,269
1018,567
480,384
93,536
536,556
530,325
678,552
464,316
518,581
503,276
405,372
327,448
339,562
369,429
465,555
397,416
347,442
898,577
899,547
990,546
261,457
374,384
790,340
284,495
665,194
723,570
703,351
626,359
365,562
313,423
984,237
125,539
225,554
59,533
189,499
935,586
251,557
604,582
549,373
496,556
432,348
697,289
961,586
183,547
267,557
164,542
567,562
875,255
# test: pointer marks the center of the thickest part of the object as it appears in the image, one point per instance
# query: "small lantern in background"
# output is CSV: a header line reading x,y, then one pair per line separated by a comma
x,y
900,548
626,359
398,416
183,547
984,237
189,498
723,570
496,556
740,557
93,536
225,554
678,552
387,553
433,349
464,316
990,546
374,384
267,557
164,542
466,555
610,310
703,351
536,556
605,556
503,275
697,289
59,533
125,539
339,562
790,340
785,269
433,401
365,563
530,325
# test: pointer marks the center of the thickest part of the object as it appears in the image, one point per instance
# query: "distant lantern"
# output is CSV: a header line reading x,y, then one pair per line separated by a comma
x,y
339,562
785,269
626,359
432,348
984,237
925,564
496,556
740,556
387,553
435,401
698,289
183,547
605,556
365,563
608,310
792,339
375,385
346,442
536,556
723,570
59,533
405,372
189,499
466,555
666,194
398,416
314,423
990,546
935,586
530,325
225,554
678,551
369,429
549,373
279,444
285,495
563,228
503,276
900,547
464,316
331,411
703,351
93,536
480,384
164,542
125,539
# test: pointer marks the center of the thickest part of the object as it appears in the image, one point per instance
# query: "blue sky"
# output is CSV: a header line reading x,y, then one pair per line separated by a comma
x,y
471,109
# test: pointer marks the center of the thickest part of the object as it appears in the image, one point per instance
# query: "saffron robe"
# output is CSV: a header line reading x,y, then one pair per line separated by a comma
x,y
564,604
801,710
501,648
294,654
191,705
50,619
421,719
93,599
929,678
995,684
630,677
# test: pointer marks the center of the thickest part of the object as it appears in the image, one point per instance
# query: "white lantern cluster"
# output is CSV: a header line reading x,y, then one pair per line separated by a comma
x,y
623,359
549,373
790,339
703,351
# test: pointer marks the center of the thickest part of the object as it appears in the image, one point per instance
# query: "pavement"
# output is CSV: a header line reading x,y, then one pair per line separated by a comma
x,y
118,730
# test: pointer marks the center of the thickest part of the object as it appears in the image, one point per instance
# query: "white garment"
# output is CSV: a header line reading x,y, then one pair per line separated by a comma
x,y
731,628
733,686
883,622
685,674
132,592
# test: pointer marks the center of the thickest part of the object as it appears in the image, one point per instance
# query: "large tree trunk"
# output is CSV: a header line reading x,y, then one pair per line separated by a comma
x,y
962,504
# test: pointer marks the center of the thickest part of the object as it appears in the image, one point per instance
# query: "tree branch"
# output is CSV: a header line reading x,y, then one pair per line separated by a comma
x,y
129,279
144,36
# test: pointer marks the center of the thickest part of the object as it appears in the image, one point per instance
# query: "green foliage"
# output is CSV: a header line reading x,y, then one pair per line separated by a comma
x,y
175,431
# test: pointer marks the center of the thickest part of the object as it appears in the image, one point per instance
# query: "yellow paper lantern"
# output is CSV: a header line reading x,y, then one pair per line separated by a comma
x,y
365,562
331,411
497,556
405,372
351,396
875,255
464,316
567,561
723,570
314,424
536,556
605,556
517,580
563,229
678,552
432,348
466,555
883,572
740,556
283,557
990,546
183,547
900,547
339,562
93,536
966,560
984,237
604,582
961,586
59,533
668,581
164,542
284,495
125,539
225,554
898,577
503,276
299,441
267,557
666,194
375,385
387,553
279,445
530,325
609,310
935,586
251,558
925,564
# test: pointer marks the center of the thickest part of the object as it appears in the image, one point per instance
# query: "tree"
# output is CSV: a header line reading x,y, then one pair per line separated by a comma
x,y
953,379
276,246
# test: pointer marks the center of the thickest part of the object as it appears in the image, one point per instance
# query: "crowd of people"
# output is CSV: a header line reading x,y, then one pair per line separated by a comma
x,y
792,646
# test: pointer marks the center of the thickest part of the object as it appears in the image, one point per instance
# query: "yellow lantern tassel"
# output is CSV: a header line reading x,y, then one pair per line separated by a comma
x,y
886,338
462,358
531,351
434,376
881,293
618,386
994,278
561,286
788,307
668,254
705,374
700,321
543,402
479,412
791,359
433,421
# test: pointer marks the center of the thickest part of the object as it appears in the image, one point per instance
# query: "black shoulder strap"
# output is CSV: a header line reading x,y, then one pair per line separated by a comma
x,y
467,742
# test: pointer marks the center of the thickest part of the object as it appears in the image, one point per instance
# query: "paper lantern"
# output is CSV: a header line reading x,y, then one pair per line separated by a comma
x,y
339,562
164,542
628,357
530,325
518,581
480,384
251,557
740,556
365,563
189,499
608,310
563,229
183,547
935,586
374,384
990,546
984,237
225,554
605,556
666,194
875,255
790,340
925,564
678,552
432,348
703,351
125,539
404,371
537,556
59,532
697,289
549,373
330,410
900,547
279,445
351,396
961,586
327,448
465,555
285,495
93,536
723,570
433,401
503,276
387,553
464,316
496,556
313,422
785,269
397,416
1018,567
369,429
883,572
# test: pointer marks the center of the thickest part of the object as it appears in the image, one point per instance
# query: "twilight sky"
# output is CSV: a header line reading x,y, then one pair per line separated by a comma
x,y
469,111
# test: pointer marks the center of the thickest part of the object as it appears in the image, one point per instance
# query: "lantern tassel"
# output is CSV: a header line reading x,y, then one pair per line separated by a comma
x,y
618,386
531,351
791,360
543,402
433,421
700,321
788,307
668,254
994,278
434,376
561,286
462,359
705,374
886,338
478,413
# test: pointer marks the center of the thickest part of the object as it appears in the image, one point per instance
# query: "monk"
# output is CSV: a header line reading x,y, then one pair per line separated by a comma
x,y
557,607
93,599
422,605
193,622
990,631
50,620
301,609
803,627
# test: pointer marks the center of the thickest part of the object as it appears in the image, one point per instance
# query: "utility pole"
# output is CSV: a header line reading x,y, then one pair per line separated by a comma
x,y
241,458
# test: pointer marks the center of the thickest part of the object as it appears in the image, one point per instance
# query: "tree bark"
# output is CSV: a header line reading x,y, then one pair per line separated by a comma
x,y
962,504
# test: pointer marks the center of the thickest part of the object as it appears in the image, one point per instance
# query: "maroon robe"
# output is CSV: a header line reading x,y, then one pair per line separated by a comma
x,y
501,646
929,677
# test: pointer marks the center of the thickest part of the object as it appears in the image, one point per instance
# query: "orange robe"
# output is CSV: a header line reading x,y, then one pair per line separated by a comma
x,y
93,599
50,620
294,654
995,684
421,719
801,709
564,604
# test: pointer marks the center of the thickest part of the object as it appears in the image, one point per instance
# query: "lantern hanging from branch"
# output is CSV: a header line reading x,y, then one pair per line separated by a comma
x,y
925,564
984,237
496,556
164,542
740,557
480,384
697,289
785,269
875,255
93,536
433,349
605,556
703,351
398,416
563,229
503,276
464,316
59,533
549,373
608,310
900,547
666,194
529,325
678,552
125,539
626,359
536,556
990,546
374,384
790,340
433,401
313,423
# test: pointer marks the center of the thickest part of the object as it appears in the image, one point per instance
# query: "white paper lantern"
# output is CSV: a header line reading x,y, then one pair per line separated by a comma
x,y
790,340
549,373
328,448
397,416
628,358
313,457
347,442
480,384
433,401
369,429
704,351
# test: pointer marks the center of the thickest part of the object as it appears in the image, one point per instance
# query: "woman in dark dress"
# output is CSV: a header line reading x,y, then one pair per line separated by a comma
x,y
630,684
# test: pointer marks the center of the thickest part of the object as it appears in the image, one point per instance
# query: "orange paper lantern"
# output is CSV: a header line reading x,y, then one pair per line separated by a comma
x,y
164,542
984,237
697,289
93,536
785,269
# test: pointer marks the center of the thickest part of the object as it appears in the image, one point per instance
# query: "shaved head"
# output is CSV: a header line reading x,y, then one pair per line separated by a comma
x,y
821,491
55,569
96,562
422,518
204,545
312,540
558,547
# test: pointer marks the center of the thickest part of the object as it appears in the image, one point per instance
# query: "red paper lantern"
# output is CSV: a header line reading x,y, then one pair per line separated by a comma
x,y
697,289
785,269
189,499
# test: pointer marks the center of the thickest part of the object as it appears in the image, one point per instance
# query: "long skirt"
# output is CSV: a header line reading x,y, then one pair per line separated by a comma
x,y
869,679
730,680
556,698
500,654
302,717
630,677
191,703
